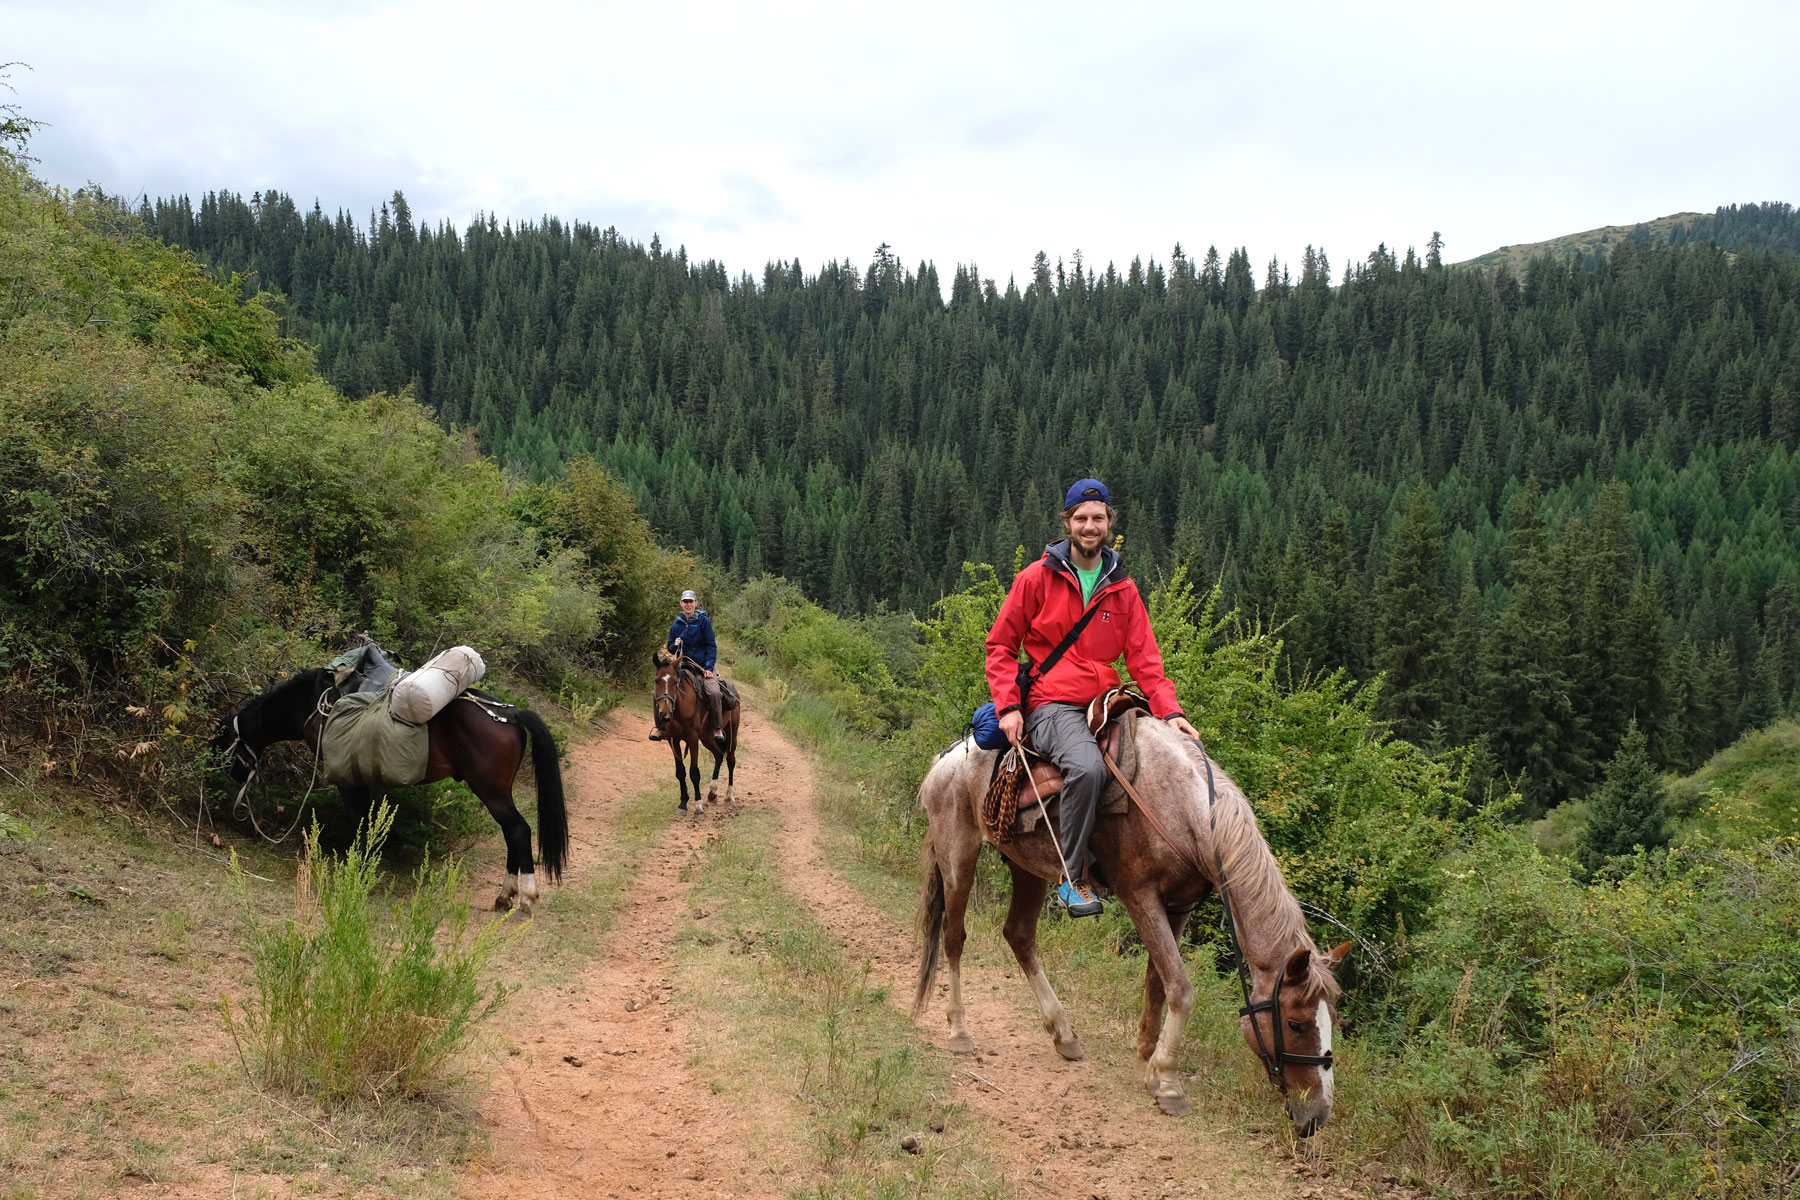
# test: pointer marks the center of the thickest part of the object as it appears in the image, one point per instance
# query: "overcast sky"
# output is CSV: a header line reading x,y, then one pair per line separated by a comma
x,y
960,132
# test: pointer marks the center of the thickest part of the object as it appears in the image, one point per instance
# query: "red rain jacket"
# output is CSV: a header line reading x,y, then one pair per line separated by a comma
x,y
1043,605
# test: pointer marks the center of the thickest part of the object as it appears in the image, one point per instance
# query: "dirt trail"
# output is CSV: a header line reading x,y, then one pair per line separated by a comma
x,y
627,1117
633,1120
1070,1129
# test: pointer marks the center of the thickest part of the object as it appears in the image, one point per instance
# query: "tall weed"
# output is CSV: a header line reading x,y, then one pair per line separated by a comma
x,y
352,1005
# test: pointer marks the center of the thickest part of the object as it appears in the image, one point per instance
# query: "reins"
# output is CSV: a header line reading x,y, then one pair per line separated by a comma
x,y
1272,1060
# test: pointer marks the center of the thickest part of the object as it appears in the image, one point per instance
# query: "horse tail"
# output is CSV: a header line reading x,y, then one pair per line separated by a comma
x,y
931,924
553,818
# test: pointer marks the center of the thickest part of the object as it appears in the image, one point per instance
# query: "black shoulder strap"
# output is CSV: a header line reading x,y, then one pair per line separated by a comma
x,y
1050,660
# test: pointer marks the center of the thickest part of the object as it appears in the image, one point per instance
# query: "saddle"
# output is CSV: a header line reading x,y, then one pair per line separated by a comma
x,y
728,694
1112,719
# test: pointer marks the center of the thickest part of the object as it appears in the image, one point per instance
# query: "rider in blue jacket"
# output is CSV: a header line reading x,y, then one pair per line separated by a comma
x,y
691,634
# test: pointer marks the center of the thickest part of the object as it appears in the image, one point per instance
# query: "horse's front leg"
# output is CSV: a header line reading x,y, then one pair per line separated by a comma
x,y
1028,893
1150,1023
694,774
1158,932
357,803
675,745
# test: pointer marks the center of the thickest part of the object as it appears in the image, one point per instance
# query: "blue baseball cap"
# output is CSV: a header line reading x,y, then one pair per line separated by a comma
x,y
1083,490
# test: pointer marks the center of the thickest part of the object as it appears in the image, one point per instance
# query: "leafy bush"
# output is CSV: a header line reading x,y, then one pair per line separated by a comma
x,y
350,1008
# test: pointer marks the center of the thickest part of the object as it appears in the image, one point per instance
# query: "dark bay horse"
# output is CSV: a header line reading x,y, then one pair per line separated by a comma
x,y
683,715
480,744
1293,993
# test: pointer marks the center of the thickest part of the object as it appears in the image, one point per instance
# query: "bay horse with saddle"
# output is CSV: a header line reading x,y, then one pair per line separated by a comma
x,y
476,738
684,720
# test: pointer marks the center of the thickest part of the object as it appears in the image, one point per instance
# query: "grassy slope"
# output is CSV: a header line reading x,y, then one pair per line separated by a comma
x,y
1750,789
1587,242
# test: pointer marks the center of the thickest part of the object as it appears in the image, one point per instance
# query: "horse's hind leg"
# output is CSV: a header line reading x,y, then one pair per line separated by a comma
x,y
1028,893
731,765
712,791
521,876
1159,932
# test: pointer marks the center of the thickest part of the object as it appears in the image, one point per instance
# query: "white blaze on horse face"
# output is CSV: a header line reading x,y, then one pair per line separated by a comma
x,y
1324,1019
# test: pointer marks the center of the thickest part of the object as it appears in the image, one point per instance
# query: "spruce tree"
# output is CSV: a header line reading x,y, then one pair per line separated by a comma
x,y
1411,611
1628,809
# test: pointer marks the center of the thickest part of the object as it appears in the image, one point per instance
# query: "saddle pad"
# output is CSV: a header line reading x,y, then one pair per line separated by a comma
x,y
728,697
1113,799
366,745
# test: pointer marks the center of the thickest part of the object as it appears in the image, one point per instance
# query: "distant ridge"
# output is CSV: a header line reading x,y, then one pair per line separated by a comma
x,y
1772,226
1586,244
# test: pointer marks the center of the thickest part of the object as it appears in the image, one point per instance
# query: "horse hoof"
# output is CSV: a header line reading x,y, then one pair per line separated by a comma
x,y
962,1043
500,904
1071,1049
524,907
1174,1106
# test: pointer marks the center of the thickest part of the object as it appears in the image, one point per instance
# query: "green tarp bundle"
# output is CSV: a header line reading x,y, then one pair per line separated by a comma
x,y
366,745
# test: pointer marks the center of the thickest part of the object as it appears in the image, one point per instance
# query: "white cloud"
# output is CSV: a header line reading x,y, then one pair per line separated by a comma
x,y
954,132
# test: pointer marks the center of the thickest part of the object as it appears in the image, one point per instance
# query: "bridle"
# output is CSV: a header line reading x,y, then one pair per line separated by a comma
x,y
1275,1057
239,808
672,680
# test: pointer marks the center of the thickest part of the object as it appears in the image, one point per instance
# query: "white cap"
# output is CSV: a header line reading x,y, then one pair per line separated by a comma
x,y
689,595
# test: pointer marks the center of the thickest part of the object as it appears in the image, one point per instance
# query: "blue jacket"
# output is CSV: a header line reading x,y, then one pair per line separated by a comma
x,y
696,638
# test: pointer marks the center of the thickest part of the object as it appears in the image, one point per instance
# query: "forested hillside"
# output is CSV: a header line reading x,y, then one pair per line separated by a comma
x,y
187,509
1543,505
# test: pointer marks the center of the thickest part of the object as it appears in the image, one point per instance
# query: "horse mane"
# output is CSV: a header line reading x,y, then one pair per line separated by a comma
x,y
250,717
1258,891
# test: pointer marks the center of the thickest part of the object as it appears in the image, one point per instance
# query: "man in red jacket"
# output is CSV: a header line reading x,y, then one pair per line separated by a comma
x,y
1046,601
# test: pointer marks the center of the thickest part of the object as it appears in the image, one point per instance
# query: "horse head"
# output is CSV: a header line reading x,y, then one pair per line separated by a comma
x,y
668,685
277,715
1288,1024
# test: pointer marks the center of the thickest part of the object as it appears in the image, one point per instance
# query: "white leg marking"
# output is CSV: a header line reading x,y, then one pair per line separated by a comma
x,y
1056,1018
960,1042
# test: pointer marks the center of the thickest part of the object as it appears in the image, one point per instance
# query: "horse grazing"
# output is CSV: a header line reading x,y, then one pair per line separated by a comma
x,y
1160,875
683,715
481,743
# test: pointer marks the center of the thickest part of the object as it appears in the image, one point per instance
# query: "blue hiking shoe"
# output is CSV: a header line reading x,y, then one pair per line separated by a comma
x,y
1078,899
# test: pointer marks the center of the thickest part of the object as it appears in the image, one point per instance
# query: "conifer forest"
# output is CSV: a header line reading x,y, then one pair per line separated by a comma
x,y
1549,509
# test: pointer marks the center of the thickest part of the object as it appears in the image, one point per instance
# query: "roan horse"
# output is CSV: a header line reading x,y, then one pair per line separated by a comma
x,y
683,715
1292,995
479,743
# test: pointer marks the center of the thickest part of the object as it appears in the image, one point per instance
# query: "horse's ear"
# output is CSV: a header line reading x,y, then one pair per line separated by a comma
x,y
1338,954
1298,963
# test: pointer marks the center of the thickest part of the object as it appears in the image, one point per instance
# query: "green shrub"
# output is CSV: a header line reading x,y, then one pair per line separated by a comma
x,y
352,1006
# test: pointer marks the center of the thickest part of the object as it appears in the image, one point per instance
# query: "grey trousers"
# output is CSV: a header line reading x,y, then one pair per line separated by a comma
x,y
1059,732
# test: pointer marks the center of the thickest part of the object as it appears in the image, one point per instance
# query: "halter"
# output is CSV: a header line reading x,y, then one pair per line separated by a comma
x,y
1277,1057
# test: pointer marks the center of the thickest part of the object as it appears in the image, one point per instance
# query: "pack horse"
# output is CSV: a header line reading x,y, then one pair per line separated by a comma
x,y
473,737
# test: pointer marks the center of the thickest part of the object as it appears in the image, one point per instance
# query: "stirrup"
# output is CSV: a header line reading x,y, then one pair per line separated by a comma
x,y
656,735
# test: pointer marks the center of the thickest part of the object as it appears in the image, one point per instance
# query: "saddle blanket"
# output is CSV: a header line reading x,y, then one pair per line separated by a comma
x,y
366,745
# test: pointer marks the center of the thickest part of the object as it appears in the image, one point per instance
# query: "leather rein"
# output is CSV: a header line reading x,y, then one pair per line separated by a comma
x,y
1273,1058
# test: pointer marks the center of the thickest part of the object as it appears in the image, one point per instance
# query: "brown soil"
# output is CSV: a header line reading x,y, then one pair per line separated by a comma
x,y
604,1103
633,1119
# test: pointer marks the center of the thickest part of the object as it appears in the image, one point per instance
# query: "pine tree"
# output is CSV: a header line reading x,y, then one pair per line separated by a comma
x,y
1411,630
1628,810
